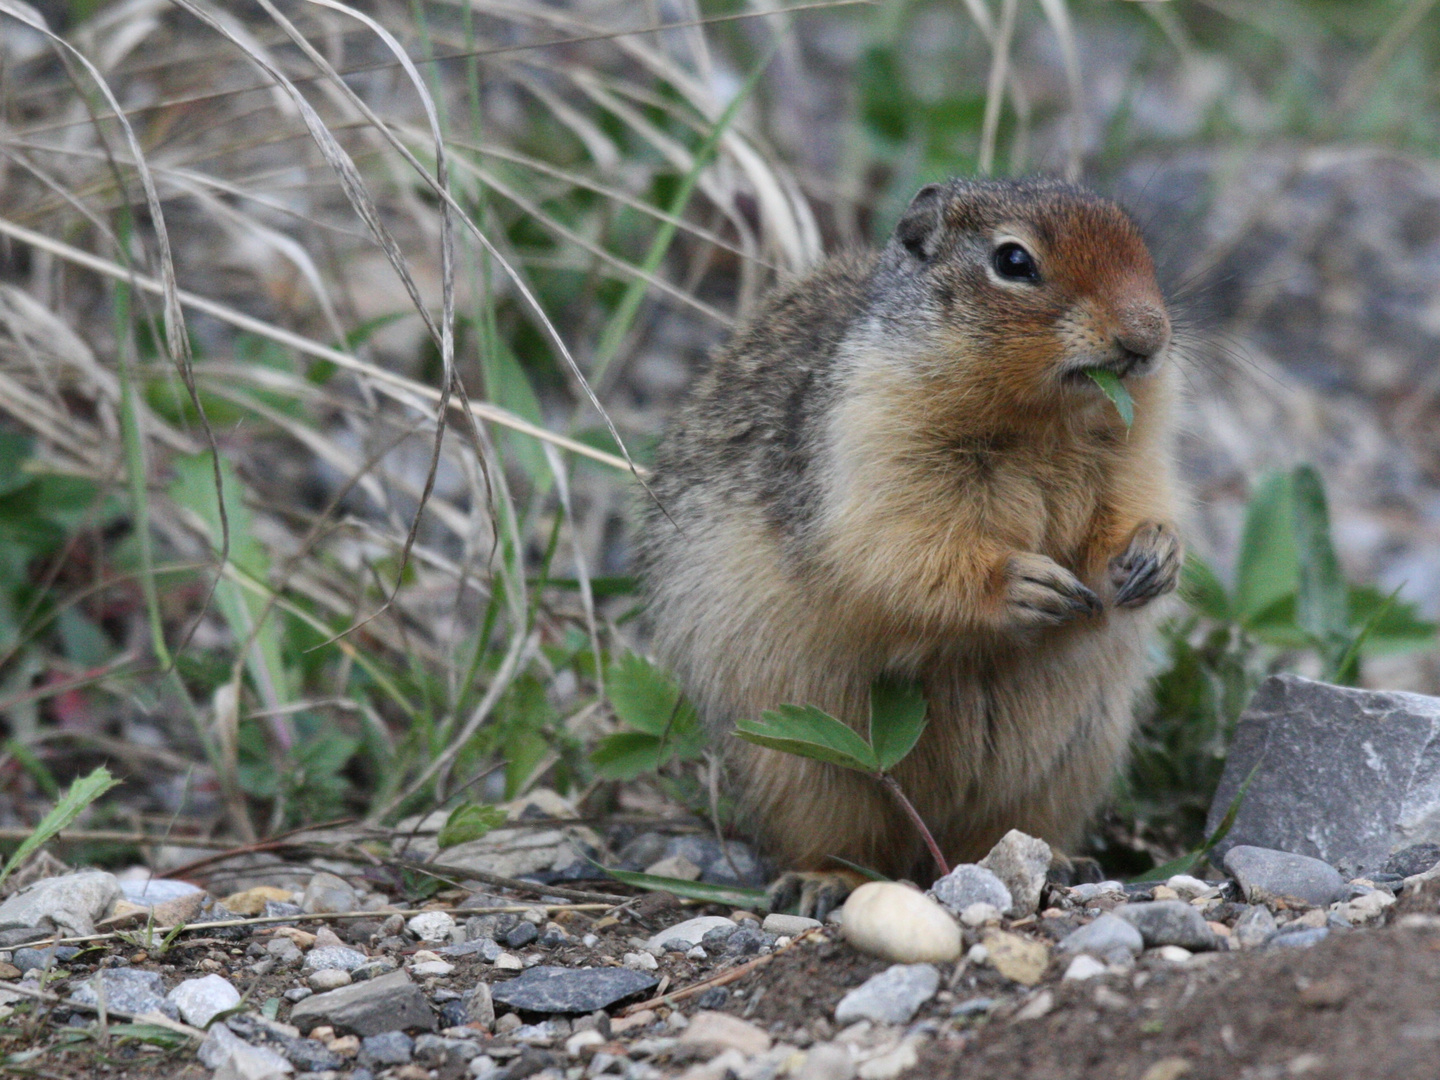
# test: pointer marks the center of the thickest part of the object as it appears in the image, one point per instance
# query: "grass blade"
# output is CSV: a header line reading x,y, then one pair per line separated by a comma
x,y
80,794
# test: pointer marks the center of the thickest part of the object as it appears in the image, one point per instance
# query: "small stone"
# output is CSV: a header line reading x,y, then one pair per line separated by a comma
x,y
1369,907
486,948
297,994
233,1058
744,941
1021,862
510,962
1301,938
431,968
69,904
1188,888
1084,967
1108,938
788,925
642,961
201,1000
508,1024
431,926
901,924
1264,874
698,953
283,950
390,1003
126,990
827,1061
1017,958
1254,926
546,989
581,1039
1169,1068
328,893
386,1048
334,957
520,935
720,1031
1412,860
480,1006
978,915
1173,953
373,969
1039,1005
676,866
891,997
634,1022
1090,892
328,979
891,1063
1163,892
970,883
1168,922
692,932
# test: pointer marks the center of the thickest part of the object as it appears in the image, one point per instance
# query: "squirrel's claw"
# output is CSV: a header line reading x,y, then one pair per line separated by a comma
x,y
1148,567
1041,592
814,893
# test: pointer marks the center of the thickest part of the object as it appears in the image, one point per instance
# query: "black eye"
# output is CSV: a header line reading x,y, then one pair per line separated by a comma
x,y
1014,263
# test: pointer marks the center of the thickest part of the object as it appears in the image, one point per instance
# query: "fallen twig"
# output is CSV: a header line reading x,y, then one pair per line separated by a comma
x,y
717,980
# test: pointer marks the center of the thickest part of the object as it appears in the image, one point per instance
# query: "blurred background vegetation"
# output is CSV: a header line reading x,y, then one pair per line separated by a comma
x,y
325,331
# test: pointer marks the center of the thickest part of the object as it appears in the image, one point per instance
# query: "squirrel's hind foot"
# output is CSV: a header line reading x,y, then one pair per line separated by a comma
x,y
813,893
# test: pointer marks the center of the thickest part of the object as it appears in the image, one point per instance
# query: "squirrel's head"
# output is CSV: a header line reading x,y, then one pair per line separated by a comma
x,y
1029,285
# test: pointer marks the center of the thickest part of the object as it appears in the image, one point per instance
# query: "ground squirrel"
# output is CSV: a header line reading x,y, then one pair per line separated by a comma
x,y
900,465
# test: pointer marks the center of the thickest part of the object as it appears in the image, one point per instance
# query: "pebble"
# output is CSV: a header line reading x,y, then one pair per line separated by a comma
x,y
640,961
901,924
675,866
520,935
970,883
231,1056
336,957
480,1006
789,925
1264,873
547,989
1084,967
581,1039
1412,860
1109,938
1302,938
827,1061
431,925
297,994
435,967
487,948
1368,907
1039,1005
692,932
126,990
1089,892
327,893
390,1003
70,903
27,959
201,1000
1021,862
891,1063
891,997
1173,953
1019,959
1168,922
249,902
150,891
1188,888
329,979
510,962
720,1031
387,1048
1254,926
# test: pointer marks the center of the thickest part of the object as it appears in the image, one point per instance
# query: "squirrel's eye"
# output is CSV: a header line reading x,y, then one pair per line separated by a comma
x,y
1014,263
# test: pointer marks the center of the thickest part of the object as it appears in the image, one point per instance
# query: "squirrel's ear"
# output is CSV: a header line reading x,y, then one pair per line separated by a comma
x,y
920,224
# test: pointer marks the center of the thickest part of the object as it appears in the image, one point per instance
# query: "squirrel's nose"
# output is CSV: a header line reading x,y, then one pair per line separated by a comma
x,y
1143,331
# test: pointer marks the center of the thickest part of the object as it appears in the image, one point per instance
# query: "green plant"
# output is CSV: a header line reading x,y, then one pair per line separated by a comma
x,y
897,719
664,726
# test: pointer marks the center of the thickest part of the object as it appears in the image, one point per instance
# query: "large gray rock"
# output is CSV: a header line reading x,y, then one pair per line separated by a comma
x,y
390,1003
1168,922
1264,874
70,903
1345,776
126,990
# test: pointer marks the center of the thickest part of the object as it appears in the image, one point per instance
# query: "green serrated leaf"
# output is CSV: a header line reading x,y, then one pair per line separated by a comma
x,y
1392,625
1111,386
733,895
646,698
469,821
80,794
627,754
897,717
809,732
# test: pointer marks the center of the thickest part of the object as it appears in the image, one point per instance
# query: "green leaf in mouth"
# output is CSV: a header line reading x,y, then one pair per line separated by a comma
x,y
1114,389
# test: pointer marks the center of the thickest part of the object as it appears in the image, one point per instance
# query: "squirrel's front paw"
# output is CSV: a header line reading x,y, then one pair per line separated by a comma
x,y
1041,592
1148,567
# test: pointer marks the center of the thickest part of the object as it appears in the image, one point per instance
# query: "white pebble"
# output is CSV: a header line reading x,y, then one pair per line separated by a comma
x,y
978,954
431,926
431,967
697,953
1084,966
641,961
900,924
508,962
1173,953
980,914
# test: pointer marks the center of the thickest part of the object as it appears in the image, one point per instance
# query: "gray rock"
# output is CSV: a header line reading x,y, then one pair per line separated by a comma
x,y
201,1000
283,950
1264,873
520,935
892,997
70,903
334,958
970,883
234,1059
487,948
446,1055
691,932
1021,862
1415,859
1254,926
733,864
308,1055
373,969
1168,922
789,925
156,891
326,893
1109,938
125,989
1346,776
386,1048
547,989
480,1006
390,1003
44,959
1298,938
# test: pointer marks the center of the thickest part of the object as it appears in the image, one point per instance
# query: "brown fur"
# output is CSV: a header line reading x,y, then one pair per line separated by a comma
x,y
899,466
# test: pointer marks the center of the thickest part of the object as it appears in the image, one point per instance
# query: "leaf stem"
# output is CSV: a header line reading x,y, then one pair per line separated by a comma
x,y
893,786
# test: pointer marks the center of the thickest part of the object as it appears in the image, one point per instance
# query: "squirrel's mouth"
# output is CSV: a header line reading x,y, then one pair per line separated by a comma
x,y
1123,365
